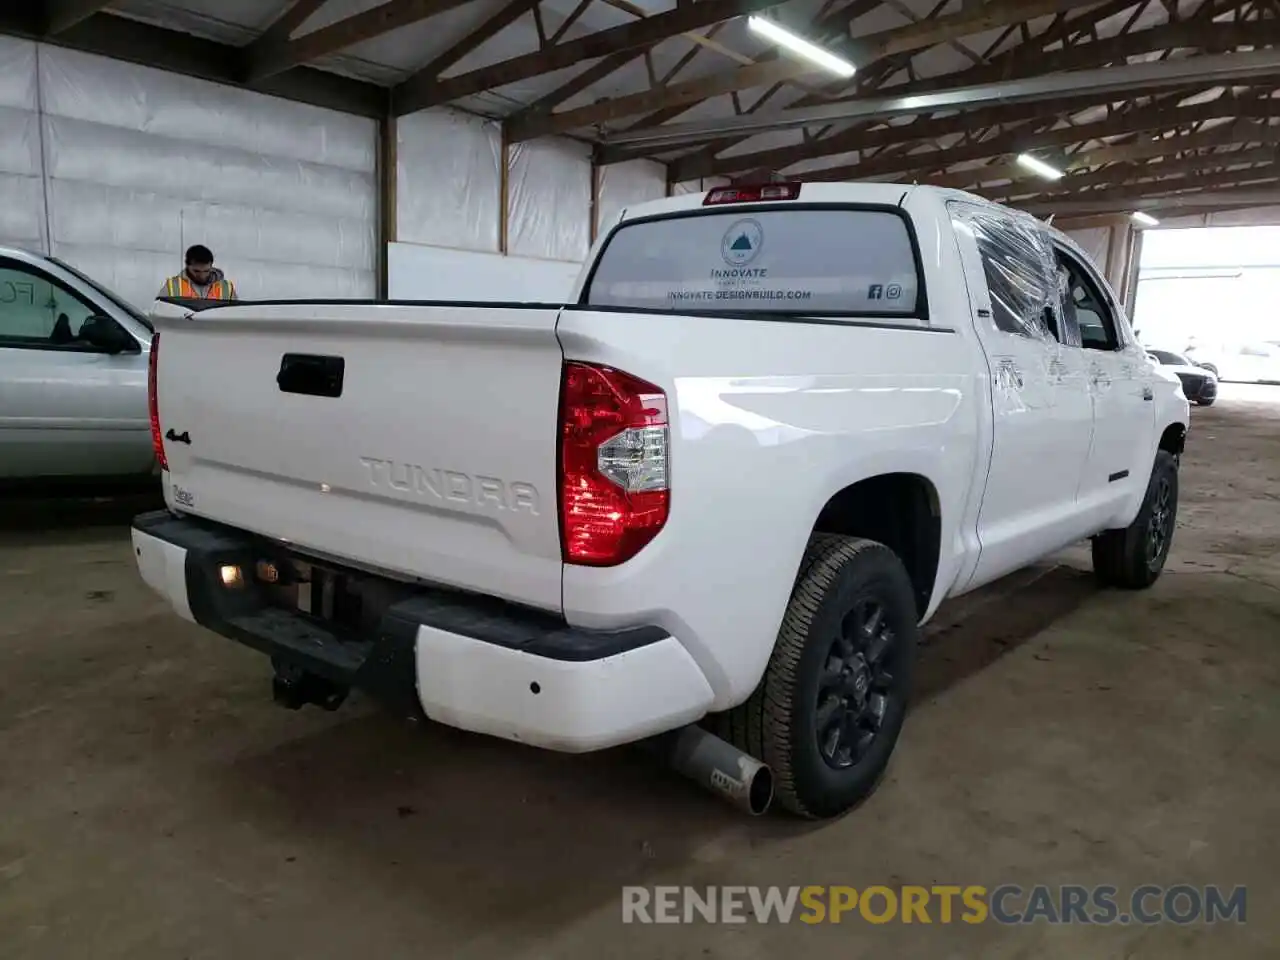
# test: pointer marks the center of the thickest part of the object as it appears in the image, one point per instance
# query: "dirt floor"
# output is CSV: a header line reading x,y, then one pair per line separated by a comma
x,y
155,804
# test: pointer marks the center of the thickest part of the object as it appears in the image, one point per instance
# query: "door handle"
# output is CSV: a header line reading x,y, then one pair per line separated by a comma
x,y
182,437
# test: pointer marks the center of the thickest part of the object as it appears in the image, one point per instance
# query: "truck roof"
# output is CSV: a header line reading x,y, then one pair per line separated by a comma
x,y
892,194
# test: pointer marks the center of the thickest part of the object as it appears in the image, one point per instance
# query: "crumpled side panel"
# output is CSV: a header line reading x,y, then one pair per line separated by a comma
x,y
1020,264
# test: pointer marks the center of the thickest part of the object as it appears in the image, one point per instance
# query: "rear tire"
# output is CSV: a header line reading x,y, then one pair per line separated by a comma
x,y
1133,558
831,704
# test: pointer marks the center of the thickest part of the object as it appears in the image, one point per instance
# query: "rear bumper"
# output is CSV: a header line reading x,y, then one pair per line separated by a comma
x,y
469,662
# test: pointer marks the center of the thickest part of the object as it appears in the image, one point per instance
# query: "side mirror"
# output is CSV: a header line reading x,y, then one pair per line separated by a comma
x,y
105,334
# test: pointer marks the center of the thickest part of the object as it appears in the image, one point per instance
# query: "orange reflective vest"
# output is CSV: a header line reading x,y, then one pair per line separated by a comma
x,y
183,288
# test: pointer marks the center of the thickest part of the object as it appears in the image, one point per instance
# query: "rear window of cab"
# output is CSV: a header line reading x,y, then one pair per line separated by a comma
x,y
803,261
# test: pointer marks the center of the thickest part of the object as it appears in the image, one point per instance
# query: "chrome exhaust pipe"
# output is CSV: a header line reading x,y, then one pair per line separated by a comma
x,y
718,766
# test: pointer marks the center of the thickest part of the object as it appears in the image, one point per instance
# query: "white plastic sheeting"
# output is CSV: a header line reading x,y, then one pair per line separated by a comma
x,y
1096,242
549,213
138,164
448,180
625,184
22,216
436,273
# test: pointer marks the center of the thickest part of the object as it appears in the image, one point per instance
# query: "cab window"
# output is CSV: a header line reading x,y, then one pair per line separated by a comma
x,y
1084,306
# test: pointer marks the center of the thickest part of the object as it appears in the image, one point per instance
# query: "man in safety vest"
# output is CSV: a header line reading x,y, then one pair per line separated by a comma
x,y
201,280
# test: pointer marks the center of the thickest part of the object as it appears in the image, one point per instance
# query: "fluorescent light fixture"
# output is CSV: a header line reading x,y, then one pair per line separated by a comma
x,y
1146,219
1039,167
802,47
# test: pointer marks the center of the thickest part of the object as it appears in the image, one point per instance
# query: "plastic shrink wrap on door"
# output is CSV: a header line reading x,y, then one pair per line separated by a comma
x,y
1021,267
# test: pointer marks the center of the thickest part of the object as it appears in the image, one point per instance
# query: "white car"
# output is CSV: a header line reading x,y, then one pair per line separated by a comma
x,y
1199,382
774,429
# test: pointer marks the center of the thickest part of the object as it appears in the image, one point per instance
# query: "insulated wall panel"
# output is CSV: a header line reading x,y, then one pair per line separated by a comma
x,y
1095,241
550,200
21,190
625,184
448,180
141,164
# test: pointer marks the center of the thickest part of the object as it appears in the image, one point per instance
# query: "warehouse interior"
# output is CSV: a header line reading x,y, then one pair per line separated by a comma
x,y
156,804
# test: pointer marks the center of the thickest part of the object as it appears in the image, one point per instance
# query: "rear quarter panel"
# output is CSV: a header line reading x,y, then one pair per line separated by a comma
x,y
770,419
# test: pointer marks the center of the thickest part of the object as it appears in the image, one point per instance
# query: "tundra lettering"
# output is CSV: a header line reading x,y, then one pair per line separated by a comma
x,y
440,484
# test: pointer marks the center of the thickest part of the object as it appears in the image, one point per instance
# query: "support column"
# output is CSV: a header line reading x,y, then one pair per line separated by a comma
x,y
504,190
388,175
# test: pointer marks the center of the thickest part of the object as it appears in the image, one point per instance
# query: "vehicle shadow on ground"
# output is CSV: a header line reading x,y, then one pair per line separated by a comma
x,y
484,832
31,517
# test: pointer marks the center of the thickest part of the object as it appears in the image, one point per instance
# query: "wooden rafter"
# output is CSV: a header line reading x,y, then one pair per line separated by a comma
x,y
283,26
827,22
1154,119
478,37
1238,133
1165,189
1212,36
337,37
60,15
867,50
1060,29
134,41
1137,175
428,92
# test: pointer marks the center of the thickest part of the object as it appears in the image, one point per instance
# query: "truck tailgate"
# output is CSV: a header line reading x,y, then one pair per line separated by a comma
x,y
419,440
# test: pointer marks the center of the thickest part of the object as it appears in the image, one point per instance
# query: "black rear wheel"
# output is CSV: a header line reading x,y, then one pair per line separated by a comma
x,y
828,712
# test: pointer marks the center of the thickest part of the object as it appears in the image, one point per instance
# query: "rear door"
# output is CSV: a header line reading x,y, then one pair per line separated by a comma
x,y
1041,410
412,439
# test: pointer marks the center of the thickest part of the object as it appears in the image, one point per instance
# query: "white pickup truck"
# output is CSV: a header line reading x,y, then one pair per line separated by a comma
x,y
718,491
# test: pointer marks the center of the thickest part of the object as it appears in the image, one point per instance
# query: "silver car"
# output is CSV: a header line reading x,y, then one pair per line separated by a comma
x,y
73,375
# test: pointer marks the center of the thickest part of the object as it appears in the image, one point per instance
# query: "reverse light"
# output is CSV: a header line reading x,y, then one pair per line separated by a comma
x,y
614,467
752,194
153,403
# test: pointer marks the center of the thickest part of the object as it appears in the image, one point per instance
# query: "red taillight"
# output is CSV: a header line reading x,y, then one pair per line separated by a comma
x,y
153,403
753,194
614,484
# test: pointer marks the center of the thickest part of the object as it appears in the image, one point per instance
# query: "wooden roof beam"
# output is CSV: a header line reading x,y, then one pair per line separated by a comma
x,y
1160,118
866,50
60,15
282,27
1241,132
1216,36
422,92
336,37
